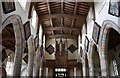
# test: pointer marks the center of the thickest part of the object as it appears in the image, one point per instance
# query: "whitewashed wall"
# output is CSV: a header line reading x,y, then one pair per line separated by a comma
x,y
73,55
101,10
46,54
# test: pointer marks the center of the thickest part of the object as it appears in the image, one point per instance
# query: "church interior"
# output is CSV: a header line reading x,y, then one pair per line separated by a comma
x,y
59,38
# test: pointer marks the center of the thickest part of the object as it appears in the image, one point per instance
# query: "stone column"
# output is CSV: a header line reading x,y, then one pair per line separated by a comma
x,y
38,57
50,73
31,51
71,73
91,67
103,62
74,72
40,72
78,71
46,73
84,69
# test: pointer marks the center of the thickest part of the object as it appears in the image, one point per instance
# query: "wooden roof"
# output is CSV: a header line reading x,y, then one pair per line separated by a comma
x,y
8,37
62,19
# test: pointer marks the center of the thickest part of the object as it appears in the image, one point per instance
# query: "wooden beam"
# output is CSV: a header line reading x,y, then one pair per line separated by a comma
x,y
62,6
62,11
50,18
35,6
72,25
62,36
48,7
61,15
91,4
61,28
73,20
51,25
8,38
10,32
12,42
10,47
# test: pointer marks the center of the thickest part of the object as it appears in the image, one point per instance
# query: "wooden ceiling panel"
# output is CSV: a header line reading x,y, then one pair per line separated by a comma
x,y
83,8
78,24
75,32
41,8
46,23
6,33
40,3
56,22
63,36
69,11
57,31
66,31
67,19
54,4
69,8
70,15
8,42
67,22
55,7
8,37
86,4
70,3
48,32
69,0
61,15
55,11
43,13
65,28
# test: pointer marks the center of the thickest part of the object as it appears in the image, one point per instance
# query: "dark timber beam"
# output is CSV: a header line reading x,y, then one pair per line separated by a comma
x,y
50,18
91,4
62,28
62,11
61,15
73,20
12,33
62,36
8,38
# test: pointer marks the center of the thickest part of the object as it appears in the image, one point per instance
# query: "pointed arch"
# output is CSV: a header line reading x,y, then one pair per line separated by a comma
x,y
93,57
19,38
103,40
